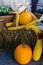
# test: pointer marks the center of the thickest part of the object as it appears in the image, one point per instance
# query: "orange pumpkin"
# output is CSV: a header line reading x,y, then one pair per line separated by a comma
x,y
23,54
25,17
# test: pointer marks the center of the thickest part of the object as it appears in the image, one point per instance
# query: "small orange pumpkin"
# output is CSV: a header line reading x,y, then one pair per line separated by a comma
x,y
23,54
25,18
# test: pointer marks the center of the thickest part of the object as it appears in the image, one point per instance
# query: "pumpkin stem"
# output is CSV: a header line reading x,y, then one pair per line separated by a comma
x,y
24,45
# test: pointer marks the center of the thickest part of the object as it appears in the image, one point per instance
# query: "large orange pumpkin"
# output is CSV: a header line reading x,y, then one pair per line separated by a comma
x,y
25,17
23,54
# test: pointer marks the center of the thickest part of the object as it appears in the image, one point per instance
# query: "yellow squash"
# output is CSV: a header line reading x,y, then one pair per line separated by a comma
x,y
32,22
38,47
16,28
9,24
37,50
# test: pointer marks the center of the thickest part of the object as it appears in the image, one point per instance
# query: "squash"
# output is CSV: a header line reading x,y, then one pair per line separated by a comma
x,y
38,46
23,54
25,18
